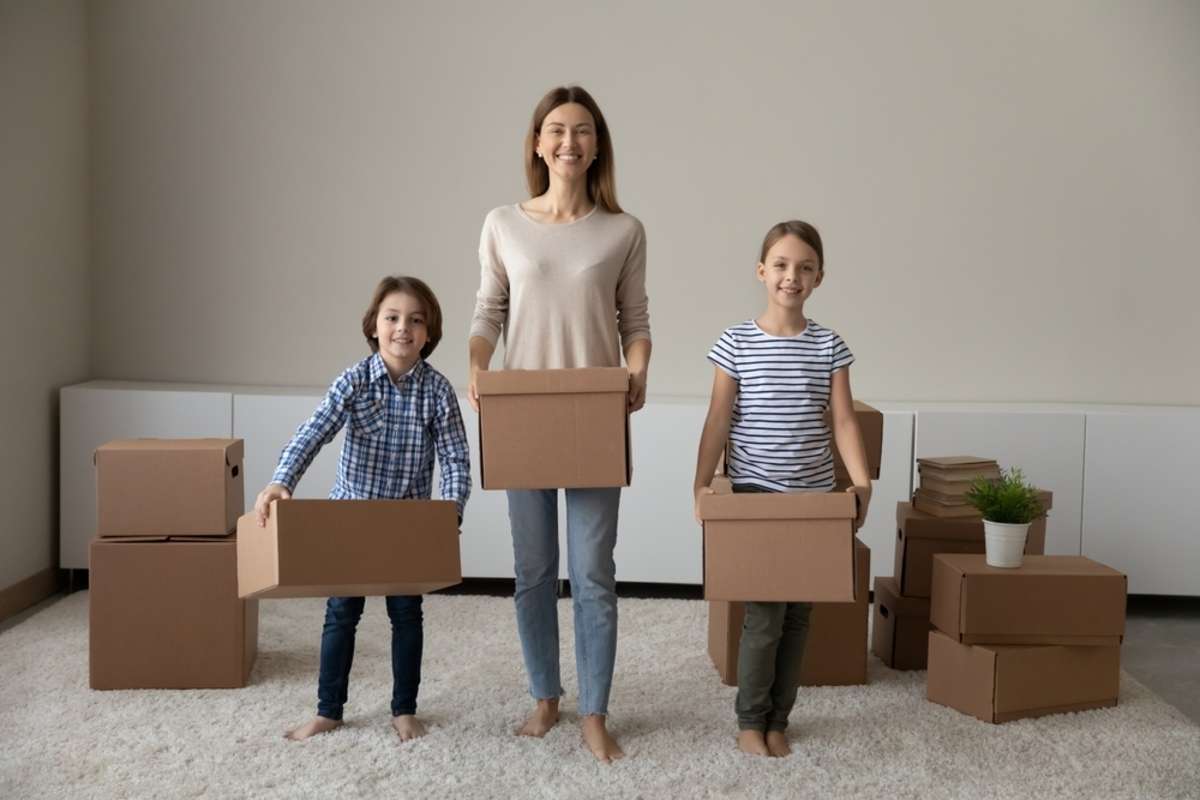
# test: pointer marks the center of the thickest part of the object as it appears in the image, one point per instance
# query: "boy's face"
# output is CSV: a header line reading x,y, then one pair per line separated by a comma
x,y
791,271
401,329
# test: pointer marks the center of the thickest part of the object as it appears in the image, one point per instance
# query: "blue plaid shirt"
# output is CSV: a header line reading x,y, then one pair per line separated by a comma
x,y
395,430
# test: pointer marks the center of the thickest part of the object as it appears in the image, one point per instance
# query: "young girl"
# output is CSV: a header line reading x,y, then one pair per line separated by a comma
x,y
401,412
774,378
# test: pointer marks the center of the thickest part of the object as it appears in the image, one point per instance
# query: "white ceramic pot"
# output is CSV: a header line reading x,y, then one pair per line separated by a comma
x,y
1004,543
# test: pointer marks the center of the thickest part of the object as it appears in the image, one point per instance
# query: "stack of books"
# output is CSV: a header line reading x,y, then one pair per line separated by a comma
x,y
945,481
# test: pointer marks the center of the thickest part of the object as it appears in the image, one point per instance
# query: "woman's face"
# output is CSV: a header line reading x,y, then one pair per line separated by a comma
x,y
567,141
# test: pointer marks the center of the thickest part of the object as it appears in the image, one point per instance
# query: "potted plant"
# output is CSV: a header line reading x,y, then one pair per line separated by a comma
x,y
1008,506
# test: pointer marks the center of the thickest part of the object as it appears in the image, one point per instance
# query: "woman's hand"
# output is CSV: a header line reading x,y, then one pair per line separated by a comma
x,y
863,494
473,389
637,390
262,504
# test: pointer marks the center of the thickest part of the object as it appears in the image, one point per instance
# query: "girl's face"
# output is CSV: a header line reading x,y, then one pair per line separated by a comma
x,y
400,328
791,271
567,142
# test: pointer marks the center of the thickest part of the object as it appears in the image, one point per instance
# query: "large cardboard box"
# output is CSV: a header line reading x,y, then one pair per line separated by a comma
x,y
778,546
900,633
554,428
920,535
835,653
1069,600
165,614
349,548
998,683
168,487
870,422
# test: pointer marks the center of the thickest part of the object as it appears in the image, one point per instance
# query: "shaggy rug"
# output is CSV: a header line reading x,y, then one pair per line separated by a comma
x,y
60,739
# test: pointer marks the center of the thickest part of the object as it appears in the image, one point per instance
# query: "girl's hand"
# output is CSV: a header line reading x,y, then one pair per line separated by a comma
x,y
473,390
262,504
703,490
863,494
637,390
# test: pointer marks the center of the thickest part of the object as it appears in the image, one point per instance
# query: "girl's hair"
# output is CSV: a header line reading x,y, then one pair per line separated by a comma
x,y
413,287
802,231
601,175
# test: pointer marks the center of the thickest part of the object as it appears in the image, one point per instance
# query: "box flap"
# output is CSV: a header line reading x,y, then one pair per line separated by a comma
x,y
552,381
777,505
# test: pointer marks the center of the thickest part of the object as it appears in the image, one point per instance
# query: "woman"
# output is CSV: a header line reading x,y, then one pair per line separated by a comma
x,y
563,278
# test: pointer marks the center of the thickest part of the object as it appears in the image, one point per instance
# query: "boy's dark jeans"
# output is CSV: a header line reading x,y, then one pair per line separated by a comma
x,y
337,653
769,657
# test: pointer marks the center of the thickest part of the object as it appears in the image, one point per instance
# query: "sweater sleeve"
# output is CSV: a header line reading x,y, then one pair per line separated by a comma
x,y
633,306
491,301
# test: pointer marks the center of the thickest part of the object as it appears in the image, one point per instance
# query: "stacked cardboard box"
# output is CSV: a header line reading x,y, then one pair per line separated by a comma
x,y
1039,639
902,615
164,608
944,482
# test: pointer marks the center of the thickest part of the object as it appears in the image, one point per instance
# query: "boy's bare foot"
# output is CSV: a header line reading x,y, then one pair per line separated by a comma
x,y
407,727
753,742
777,744
596,736
317,725
541,720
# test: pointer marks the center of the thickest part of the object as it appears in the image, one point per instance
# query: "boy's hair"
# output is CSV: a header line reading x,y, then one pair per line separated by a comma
x,y
601,175
414,287
802,231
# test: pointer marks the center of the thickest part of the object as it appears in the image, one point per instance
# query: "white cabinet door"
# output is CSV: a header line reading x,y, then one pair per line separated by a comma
x,y
1047,446
90,415
267,422
893,486
1139,507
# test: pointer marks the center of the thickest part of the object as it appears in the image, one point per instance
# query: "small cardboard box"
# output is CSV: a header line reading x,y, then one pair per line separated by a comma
x,y
554,428
835,653
349,548
900,634
870,422
168,487
920,535
165,614
778,547
998,683
1069,600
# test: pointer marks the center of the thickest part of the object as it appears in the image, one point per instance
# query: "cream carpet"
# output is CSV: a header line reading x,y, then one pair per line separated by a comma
x,y
60,739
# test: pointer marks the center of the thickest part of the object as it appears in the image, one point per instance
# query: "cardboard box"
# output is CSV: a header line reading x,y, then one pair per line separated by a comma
x,y
1068,600
998,683
870,422
349,548
165,614
835,653
900,634
779,546
554,428
168,487
920,535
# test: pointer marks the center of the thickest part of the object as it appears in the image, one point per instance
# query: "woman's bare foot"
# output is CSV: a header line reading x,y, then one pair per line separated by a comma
x,y
541,720
407,727
753,742
596,736
777,744
317,725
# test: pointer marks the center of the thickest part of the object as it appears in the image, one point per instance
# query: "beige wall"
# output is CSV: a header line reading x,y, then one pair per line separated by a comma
x,y
1008,191
44,297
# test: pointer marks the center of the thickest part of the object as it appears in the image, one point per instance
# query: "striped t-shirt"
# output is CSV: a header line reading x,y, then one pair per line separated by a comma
x,y
778,439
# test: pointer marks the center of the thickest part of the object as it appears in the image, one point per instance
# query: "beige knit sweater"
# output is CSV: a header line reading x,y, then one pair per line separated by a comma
x,y
565,295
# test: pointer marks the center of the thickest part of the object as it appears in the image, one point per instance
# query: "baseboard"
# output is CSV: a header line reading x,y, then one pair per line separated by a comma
x,y
29,592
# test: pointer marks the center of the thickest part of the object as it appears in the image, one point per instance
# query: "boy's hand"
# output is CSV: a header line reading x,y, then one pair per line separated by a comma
x,y
863,495
703,490
262,504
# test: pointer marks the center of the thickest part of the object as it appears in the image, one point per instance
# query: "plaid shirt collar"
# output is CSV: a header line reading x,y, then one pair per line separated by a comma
x,y
378,370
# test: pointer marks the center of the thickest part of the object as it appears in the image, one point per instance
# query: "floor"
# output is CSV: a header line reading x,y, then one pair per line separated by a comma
x,y
1161,649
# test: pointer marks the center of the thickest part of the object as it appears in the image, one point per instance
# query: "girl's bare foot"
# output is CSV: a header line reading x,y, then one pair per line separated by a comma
x,y
777,744
407,727
541,720
596,736
753,742
317,725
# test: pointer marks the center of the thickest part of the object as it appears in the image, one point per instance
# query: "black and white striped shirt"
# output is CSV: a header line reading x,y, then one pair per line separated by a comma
x,y
778,439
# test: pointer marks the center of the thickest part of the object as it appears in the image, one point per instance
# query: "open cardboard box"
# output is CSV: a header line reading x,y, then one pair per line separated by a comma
x,y
168,487
554,428
349,548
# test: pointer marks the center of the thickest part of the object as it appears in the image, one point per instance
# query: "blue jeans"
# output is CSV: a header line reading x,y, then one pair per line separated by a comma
x,y
337,653
591,537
